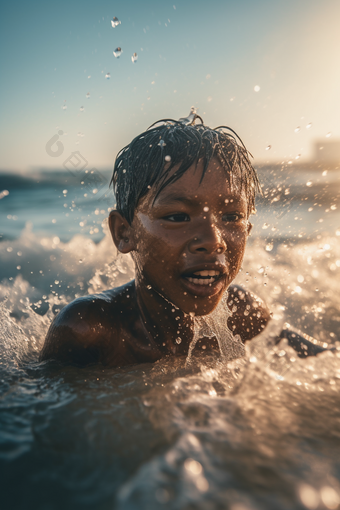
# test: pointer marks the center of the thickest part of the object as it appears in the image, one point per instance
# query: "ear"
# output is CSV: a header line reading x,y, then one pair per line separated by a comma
x,y
249,228
122,232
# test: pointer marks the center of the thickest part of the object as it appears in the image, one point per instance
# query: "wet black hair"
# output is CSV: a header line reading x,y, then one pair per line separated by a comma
x,y
149,159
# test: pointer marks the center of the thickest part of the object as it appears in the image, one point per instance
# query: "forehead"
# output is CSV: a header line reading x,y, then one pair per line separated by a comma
x,y
213,187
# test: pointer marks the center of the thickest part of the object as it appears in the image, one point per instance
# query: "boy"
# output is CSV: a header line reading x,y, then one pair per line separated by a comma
x,y
184,195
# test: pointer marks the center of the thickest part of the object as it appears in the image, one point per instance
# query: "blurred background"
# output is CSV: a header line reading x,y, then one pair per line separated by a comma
x,y
268,69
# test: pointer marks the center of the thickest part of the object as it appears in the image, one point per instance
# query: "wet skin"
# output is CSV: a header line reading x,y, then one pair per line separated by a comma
x,y
187,245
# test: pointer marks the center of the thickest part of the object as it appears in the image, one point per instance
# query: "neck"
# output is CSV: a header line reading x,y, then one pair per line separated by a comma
x,y
168,326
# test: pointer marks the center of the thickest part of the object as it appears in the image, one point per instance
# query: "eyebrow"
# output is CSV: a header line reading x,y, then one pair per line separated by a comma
x,y
175,197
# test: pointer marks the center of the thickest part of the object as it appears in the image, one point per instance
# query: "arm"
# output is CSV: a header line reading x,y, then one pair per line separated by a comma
x,y
250,314
303,344
71,337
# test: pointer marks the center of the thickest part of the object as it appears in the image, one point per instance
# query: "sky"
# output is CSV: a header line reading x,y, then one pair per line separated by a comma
x,y
266,68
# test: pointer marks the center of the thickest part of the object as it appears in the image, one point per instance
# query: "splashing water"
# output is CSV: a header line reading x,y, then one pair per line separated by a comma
x,y
216,325
257,432
107,76
134,58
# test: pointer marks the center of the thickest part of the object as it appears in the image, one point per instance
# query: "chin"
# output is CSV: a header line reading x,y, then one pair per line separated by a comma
x,y
201,306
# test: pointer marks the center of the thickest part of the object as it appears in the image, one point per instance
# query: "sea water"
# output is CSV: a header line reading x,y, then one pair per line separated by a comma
x,y
257,432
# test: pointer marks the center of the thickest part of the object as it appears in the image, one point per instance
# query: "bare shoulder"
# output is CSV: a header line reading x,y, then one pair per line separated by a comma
x,y
86,329
250,314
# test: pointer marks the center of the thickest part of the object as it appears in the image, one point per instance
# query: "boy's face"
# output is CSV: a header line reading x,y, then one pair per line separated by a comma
x,y
189,243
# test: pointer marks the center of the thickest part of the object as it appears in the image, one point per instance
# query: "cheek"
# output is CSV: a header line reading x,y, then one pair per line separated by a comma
x,y
154,248
236,244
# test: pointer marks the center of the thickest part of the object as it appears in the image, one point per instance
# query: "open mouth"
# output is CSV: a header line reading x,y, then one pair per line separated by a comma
x,y
205,277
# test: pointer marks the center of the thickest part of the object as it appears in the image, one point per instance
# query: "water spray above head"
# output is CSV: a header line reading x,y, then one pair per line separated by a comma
x,y
190,119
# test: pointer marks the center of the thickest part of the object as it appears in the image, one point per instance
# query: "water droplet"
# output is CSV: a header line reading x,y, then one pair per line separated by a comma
x,y
4,193
178,340
149,287
265,225
268,147
328,135
134,58
193,466
297,129
88,95
333,207
205,209
257,88
167,158
300,278
298,156
330,497
117,52
82,108
124,171
269,247
309,496
309,125
115,22
162,143
309,183
202,483
108,76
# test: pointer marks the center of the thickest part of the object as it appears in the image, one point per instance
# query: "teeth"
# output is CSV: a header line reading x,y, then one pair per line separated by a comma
x,y
207,273
199,281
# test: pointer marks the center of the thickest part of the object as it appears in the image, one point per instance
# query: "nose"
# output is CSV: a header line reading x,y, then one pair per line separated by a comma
x,y
208,239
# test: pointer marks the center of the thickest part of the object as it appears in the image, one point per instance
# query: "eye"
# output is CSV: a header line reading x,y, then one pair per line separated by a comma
x,y
177,217
232,217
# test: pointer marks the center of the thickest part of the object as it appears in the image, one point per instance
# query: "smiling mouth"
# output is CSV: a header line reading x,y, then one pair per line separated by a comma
x,y
206,277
